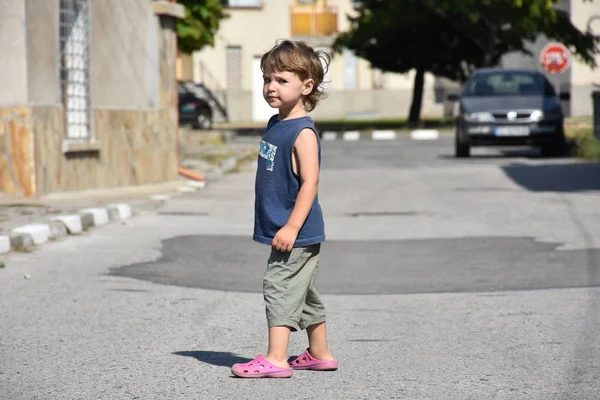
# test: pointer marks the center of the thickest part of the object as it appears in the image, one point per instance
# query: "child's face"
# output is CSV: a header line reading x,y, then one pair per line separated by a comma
x,y
285,89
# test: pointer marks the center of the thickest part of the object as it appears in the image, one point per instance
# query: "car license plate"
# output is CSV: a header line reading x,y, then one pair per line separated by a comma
x,y
512,131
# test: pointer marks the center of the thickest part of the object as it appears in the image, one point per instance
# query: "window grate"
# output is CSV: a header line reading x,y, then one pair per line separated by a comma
x,y
75,67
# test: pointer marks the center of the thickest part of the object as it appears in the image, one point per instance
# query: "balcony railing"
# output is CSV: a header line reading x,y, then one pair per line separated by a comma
x,y
313,21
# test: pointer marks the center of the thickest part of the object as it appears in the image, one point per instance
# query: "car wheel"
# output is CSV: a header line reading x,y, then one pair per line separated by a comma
x,y
203,119
461,149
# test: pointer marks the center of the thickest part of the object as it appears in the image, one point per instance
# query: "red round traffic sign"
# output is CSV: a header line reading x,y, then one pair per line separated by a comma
x,y
555,58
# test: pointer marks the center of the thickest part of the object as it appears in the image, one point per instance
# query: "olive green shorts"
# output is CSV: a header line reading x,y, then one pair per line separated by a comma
x,y
291,298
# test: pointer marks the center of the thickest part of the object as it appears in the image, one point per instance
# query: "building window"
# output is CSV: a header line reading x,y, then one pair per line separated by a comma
x,y
350,69
234,68
244,3
75,67
313,21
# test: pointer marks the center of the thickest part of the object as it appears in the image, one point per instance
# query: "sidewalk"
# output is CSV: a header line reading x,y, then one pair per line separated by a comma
x,y
27,222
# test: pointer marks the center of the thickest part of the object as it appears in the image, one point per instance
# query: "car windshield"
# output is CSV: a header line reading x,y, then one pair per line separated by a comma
x,y
508,83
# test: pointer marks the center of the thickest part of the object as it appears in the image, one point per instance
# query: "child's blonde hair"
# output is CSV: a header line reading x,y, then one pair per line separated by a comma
x,y
301,59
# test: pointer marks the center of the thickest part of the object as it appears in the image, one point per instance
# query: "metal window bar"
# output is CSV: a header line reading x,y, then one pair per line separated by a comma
x,y
75,67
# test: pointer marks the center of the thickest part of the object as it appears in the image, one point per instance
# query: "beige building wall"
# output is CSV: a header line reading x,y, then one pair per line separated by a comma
x,y
13,68
582,76
125,55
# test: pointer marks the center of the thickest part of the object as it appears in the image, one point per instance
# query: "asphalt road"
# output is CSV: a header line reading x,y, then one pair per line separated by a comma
x,y
443,278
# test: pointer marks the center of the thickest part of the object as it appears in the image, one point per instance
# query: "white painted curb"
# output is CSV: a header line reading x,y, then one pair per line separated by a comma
x,y
352,135
40,233
160,197
72,222
4,244
384,135
197,184
100,215
329,136
425,134
124,210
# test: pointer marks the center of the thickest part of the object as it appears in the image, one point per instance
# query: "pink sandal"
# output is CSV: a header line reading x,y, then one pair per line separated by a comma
x,y
306,361
260,368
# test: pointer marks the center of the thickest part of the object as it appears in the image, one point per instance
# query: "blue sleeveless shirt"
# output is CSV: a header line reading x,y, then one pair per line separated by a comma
x,y
277,186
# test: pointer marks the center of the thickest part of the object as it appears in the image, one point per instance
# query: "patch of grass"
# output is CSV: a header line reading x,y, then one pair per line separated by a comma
x,y
2,265
22,249
233,170
587,145
217,158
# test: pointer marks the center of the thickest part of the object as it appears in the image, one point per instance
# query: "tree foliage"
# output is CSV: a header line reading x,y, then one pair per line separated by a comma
x,y
451,38
200,25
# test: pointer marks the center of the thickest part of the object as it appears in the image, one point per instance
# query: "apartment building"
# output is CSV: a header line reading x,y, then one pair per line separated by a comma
x,y
354,89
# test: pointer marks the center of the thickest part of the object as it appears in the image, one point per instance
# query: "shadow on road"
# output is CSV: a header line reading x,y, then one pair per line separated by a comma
x,y
218,358
555,177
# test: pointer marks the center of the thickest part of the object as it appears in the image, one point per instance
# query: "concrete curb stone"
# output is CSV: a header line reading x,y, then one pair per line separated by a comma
x,y
57,230
40,233
87,220
55,227
113,214
384,134
72,223
99,215
122,210
4,244
20,240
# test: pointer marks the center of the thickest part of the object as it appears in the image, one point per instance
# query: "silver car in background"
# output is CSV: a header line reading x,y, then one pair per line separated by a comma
x,y
509,107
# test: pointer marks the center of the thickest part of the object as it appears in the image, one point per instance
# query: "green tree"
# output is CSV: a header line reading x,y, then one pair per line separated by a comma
x,y
200,25
451,38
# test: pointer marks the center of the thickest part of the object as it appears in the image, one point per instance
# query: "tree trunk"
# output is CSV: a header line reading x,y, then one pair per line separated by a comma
x,y
417,99
490,49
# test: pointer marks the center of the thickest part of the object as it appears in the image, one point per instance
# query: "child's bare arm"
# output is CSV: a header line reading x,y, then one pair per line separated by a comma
x,y
307,152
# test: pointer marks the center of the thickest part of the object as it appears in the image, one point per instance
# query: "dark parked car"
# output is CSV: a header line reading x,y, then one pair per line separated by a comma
x,y
193,109
505,107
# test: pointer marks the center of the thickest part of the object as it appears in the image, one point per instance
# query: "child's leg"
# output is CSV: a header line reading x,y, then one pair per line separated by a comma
x,y
285,284
313,320
279,337
317,339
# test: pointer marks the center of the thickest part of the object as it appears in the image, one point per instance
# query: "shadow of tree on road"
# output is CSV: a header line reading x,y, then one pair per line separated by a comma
x,y
555,177
218,358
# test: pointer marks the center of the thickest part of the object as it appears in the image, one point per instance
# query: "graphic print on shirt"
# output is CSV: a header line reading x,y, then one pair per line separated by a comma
x,y
267,151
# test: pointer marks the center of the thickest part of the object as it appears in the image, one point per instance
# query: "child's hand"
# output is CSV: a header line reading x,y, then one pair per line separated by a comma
x,y
285,238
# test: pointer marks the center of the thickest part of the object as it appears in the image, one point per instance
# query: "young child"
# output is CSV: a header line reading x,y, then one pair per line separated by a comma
x,y
288,216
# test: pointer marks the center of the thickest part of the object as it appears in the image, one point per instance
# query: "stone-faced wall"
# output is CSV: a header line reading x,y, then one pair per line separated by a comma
x,y
16,152
135,148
